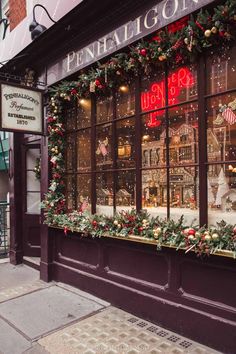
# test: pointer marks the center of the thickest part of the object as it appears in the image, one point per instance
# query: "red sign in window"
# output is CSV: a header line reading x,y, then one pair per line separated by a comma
x,y
155,97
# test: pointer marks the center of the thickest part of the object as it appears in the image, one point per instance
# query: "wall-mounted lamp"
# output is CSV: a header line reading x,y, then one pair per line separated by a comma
x,y
5,24
35,28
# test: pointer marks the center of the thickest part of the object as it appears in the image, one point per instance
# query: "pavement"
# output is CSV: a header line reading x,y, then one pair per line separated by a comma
x,y
54,318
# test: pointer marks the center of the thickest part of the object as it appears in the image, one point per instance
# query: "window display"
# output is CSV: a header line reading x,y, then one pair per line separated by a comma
x,y
149,157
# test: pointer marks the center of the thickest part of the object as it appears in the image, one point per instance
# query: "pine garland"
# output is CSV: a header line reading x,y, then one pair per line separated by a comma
x,y
168,46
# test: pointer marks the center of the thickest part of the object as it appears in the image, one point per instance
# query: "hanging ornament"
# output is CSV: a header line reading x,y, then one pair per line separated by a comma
x,y
143,52
162,57
219,119
207,33
92,86
214,30
97,83
102,147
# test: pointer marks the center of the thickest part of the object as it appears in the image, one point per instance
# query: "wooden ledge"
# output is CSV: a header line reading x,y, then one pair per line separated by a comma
x,y
140,239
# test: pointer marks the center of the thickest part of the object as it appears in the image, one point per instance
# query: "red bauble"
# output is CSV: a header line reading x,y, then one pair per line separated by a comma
x,y
140,229
73,91
143,52
234,230
222,33
97,82
94,223
191,232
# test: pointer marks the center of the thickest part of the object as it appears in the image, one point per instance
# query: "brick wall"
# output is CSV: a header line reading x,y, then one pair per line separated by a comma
x,y
17,12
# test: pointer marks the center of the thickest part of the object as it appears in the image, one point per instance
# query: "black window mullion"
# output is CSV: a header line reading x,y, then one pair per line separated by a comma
x,y
202,143
138,146
167,143
114,150
93,156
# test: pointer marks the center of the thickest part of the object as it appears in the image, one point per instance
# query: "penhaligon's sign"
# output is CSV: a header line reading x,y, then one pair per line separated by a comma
x,y
157,17
21,109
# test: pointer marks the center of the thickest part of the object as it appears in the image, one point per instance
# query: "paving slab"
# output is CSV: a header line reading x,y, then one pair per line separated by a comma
x,y
46,310
13,276
12,342
113,331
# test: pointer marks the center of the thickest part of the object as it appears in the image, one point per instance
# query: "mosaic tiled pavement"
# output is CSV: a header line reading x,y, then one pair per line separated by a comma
x,y
114,331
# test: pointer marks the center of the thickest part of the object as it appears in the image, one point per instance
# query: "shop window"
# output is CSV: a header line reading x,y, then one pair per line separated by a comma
x,y
150,157
221,193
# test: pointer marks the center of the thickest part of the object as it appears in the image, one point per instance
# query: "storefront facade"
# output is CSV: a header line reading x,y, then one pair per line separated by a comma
x,y
153,130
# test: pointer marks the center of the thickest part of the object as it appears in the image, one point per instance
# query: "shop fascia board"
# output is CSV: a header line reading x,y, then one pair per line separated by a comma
x,y
20,38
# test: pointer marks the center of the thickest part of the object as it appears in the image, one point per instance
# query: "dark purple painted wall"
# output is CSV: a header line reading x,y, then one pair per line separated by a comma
x,y
194,297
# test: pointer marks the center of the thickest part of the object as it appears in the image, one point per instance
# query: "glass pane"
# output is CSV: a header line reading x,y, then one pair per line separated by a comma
x,y
126,143
104,147
125,101
183,134
153,139
125,190
84,113
31,157
104,110
104,193
184,194
153,91
33,184
221,71
154,192
70,191
182,84
70,151
84,192
221,193
70,115
84,150
221,132
33,203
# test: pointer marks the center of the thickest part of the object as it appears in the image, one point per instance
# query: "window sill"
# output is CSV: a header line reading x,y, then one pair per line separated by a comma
x,y
139,239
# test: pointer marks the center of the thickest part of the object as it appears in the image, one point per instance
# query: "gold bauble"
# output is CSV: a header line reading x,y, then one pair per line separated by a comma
x,y
214,30
207,33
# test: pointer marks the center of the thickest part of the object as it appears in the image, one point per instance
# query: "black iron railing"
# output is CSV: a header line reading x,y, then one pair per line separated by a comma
x,y
4,229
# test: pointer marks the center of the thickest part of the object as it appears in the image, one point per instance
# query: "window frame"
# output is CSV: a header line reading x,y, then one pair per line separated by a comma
x,y
201,165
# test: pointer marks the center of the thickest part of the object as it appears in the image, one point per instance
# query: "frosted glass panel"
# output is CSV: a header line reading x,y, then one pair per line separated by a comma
x,y
33,184
32,155
33,203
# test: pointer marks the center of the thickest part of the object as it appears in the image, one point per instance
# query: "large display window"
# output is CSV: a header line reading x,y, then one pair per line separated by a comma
x,y
139,147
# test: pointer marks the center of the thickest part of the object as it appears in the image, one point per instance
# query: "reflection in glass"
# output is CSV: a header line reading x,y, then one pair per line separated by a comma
x,y
84,113
184,194
70,117
154,192
153,91
84,192
125,190
221,131
221,71
84,149
104,109
126,143
153,140
104,193
183,134
70,191
104,147
70,151
221,193
182,84
125,101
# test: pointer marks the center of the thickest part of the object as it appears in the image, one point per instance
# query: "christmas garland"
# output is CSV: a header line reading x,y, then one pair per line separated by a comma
x,y
174,44
37,168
